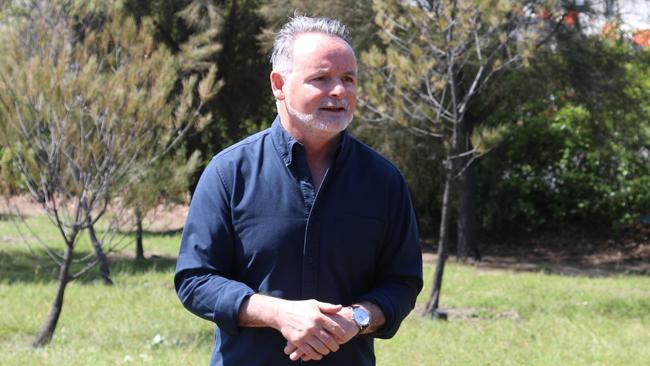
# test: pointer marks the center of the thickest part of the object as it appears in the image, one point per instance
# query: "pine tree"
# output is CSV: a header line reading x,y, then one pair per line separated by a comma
x,y
438,56
87,100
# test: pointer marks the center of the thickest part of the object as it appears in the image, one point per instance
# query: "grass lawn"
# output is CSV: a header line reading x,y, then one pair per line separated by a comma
x,y
497,317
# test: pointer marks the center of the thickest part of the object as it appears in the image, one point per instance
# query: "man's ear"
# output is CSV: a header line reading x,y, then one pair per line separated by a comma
x,y
277,83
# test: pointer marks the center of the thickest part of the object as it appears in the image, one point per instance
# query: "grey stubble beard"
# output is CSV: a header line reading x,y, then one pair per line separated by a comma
x,y
310,120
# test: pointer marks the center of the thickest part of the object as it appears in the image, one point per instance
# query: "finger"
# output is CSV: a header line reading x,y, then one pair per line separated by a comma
x,y
308,351
328,341
290,348
298,354
328,308
318,345
333,328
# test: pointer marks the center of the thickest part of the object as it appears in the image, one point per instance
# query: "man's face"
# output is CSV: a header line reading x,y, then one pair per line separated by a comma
x,y
320,90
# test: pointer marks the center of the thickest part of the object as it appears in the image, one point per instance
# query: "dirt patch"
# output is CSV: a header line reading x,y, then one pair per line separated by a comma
x,y
166,218
163,218
19,206
573,253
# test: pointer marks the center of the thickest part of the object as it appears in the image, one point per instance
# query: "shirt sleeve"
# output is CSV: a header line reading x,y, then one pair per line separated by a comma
x,y
400,265
205,260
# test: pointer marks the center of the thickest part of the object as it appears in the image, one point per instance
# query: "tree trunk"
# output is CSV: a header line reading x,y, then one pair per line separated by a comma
x,y
432,305
47,331
139,249
450,165
104,270
467,224
467,245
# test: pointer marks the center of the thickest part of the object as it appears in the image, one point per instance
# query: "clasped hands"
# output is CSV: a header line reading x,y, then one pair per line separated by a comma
x,y
313,329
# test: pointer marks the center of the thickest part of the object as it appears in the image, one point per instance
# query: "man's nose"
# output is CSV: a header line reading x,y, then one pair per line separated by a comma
x,y
338,89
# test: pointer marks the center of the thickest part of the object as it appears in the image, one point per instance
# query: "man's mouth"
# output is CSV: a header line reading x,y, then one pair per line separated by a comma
x,y
333,109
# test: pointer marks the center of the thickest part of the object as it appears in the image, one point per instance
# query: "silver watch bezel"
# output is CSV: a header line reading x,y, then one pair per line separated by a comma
x,y
361,317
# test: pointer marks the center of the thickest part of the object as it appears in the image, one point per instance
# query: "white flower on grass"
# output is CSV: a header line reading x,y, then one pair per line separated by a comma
x,y
157,340
145,357
128,359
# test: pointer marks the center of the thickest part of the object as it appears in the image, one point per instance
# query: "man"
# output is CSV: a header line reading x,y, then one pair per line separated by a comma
x,y
301,242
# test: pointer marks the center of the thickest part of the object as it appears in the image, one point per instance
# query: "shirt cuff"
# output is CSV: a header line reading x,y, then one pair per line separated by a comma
x,y
391,325
227,308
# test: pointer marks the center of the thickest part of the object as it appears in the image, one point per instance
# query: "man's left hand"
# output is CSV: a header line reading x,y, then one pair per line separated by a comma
x,y
344,318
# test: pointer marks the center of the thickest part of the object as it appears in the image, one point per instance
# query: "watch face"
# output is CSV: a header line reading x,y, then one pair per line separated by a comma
x,y
361,317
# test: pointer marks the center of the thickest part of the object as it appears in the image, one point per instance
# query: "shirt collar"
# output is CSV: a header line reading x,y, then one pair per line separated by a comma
x,y
342,150
285,142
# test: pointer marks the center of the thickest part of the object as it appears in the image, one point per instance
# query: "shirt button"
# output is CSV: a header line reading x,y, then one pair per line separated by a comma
x,y
310,260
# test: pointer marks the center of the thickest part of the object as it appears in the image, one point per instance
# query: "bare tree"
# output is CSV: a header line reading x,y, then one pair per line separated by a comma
x,y
84,107
439,56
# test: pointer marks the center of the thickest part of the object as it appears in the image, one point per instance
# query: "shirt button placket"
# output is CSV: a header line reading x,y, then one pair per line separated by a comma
x,y
310,245
309,263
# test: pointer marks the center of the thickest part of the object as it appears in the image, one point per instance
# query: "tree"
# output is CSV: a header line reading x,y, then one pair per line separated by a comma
x,y
243,103
355,14
575,151
438,57
192,30
162,184
86,100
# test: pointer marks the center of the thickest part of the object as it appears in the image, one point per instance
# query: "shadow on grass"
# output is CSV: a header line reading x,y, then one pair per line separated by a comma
x,y
10,217
152,232
18,266
154,263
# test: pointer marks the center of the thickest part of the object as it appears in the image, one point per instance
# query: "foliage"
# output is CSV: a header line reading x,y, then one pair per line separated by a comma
x,y
198,24
355,14
11,182
245,102
161,185
576,150
438,57
84,106
228,30
435,60
90,107
413,83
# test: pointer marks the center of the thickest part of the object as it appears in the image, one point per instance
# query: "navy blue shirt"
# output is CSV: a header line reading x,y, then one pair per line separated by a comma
x,y
257,225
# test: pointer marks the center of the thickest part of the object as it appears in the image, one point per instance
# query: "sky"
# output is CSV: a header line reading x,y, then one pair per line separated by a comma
x,y
635,15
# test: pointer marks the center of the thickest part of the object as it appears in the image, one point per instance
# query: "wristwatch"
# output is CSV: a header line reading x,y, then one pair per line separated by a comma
x,y
360,317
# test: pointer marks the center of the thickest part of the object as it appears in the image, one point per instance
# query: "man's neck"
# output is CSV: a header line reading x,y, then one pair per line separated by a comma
x,y
319,147
319,159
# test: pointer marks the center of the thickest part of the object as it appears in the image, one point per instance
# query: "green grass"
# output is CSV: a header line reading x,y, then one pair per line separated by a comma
x,y
509,318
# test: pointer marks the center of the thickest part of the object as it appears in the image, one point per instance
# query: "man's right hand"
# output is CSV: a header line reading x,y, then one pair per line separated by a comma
x,y
304,323
344,318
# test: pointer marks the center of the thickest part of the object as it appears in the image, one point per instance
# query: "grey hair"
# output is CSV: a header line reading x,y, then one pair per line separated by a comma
x,y
283,45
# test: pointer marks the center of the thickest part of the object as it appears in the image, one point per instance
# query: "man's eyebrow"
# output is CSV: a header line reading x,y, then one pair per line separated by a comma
x,y
325,71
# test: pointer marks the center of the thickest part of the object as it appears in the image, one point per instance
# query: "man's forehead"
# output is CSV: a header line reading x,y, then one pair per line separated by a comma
x,y
305,42
315,49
